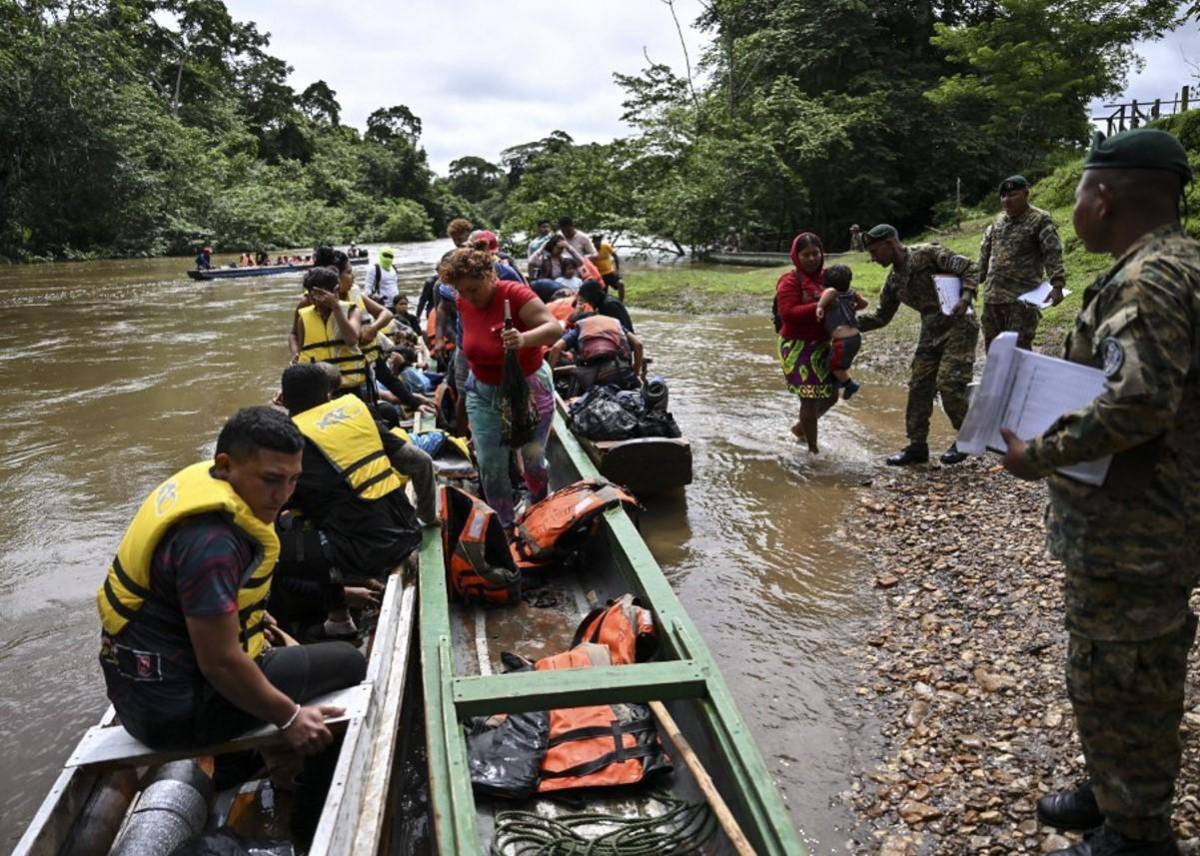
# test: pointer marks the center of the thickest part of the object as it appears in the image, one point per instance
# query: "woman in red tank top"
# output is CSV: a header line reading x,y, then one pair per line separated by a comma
x,y
481,299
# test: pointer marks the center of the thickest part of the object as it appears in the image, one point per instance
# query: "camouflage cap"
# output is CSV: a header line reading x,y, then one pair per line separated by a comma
x,y
1014,182
1141,148
880,233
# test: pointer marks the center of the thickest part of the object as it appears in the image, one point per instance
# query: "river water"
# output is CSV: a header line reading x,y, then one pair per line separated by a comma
x,y
115,374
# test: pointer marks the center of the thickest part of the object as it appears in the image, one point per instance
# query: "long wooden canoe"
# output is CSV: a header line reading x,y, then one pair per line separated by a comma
x,y
261,270
460,661
763,259
353,818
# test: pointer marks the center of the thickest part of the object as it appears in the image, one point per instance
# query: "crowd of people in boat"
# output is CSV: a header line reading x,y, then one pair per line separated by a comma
x,y
294,524
261,258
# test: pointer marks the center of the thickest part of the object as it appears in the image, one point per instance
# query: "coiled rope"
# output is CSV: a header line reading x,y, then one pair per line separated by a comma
x,y
682,828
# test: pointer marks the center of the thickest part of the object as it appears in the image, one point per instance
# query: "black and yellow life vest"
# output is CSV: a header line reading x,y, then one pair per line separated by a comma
x,y
346,434
371,349
190,492
323,344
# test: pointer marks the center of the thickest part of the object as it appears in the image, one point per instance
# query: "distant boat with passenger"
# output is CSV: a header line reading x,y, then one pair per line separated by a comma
x,y
258,270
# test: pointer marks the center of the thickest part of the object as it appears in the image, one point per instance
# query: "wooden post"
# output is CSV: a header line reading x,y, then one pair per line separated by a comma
x,y
1134,114
1154,109
1183,99
1121,118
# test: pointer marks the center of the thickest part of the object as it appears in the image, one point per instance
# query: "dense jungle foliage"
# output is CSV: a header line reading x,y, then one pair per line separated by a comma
x,y
146,126
120,135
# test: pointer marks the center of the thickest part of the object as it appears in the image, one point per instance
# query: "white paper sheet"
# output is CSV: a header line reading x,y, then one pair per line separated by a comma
x,y
1040,296
1026,392
949,289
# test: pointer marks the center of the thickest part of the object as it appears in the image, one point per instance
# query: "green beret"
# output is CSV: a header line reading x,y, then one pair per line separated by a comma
x,y
880,233
1141,148
1014,182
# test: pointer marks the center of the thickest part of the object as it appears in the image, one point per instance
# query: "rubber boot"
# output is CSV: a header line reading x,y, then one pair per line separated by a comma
x,y
914,453
1106,841
953,455
1072,810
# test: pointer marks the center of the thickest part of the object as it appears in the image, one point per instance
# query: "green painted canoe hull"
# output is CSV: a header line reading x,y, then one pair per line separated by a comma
x,y
460,644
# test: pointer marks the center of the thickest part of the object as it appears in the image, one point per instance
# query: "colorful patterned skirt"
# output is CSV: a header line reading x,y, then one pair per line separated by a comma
x,y
806,367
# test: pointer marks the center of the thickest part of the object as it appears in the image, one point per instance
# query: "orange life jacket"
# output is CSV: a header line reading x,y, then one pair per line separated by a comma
x,y
562,309
479,565
559,523
588,270
601,745
600,338
624,627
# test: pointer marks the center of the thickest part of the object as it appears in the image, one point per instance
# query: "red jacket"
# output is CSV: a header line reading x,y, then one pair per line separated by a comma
x,y
796,296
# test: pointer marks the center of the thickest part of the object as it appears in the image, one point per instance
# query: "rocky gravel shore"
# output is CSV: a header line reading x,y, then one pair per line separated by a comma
x,y
963,668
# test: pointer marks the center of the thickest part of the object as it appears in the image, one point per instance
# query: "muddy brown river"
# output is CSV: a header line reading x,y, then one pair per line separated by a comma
x,y
115,374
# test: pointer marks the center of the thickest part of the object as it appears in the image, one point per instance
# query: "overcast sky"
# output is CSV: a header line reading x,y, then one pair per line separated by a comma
x,y
487,75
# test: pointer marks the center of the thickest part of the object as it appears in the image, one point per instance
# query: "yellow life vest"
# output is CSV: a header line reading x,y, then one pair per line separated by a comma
x,y
323,344
189,492
371,349
346,434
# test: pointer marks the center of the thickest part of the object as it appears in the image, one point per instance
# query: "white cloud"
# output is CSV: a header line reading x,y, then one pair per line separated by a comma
x,y
487,75
482,76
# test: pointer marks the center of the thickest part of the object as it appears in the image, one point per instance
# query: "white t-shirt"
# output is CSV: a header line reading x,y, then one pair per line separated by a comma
x,y
387,286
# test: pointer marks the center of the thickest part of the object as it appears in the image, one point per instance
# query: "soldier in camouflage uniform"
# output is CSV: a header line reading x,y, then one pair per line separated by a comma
x,y
1017,249
945,354
1130,545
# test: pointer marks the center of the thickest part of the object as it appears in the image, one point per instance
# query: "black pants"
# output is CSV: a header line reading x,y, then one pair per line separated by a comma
x,y
302,672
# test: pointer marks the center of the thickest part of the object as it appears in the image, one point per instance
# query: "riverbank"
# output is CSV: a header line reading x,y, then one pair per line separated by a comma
x,y
964,666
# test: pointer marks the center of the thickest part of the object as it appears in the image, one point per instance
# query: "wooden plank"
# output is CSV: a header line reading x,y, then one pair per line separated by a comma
x,y
519,692
345,801
114,746
378,772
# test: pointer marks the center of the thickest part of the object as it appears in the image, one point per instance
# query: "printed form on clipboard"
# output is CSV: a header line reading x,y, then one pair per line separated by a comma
x,y
1026,392
949,292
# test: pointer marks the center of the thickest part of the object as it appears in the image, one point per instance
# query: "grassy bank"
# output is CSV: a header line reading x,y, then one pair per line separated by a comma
x,y
725,288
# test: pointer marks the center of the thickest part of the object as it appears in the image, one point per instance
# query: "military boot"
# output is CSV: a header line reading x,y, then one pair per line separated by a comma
x,y
952,455
914,453
1075,810
1106,841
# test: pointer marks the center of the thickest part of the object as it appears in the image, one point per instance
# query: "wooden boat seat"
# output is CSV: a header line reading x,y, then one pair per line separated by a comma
x,y
112,746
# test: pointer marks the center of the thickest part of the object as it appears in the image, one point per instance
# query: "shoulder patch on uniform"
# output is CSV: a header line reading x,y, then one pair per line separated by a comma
x,y
1113,353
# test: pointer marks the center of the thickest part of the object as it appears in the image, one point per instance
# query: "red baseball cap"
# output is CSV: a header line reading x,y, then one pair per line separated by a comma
x,y
480,235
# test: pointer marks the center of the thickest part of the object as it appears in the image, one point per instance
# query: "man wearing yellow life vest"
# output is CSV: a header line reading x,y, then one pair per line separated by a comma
x,y
327,331
355,519
184,642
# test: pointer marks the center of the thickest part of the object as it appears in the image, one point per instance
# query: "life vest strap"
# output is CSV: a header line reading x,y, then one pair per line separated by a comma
x,y
143,615
363,461
128,582
619,754
250,632
615,730
375,479
246,611
328,343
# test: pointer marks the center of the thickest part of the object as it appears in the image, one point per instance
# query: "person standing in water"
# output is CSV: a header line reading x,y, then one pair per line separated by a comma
x,y
803,341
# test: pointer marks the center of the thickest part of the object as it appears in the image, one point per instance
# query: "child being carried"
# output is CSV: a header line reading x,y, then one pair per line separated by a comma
x,y
838,309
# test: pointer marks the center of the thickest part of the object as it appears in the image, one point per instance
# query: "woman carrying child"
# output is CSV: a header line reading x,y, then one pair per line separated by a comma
x,y
804,344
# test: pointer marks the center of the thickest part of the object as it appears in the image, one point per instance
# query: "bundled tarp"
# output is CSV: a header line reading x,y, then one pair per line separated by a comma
x,y
604,413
